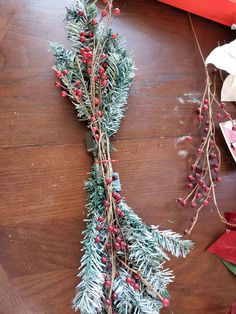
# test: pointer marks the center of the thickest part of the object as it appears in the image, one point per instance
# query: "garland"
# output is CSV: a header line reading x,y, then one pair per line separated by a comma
x,y
122,266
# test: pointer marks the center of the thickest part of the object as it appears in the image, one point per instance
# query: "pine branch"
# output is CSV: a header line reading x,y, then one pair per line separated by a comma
x,y
122,268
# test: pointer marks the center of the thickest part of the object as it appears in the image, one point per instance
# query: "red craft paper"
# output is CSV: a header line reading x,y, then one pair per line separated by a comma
x,y
222,11
229,135
233,308
225,246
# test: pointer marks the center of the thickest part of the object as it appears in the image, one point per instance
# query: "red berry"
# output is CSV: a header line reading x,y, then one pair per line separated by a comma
x,y
186,232
82,34
222,105
180,200
166,302
189,138
190,185
108,246
92,119
101,70
199,195
97,137
198,110
227,115
94,129
57,84
234,127
137,276
136,286
114,297
81,50
95,78
99,227
106,203
89,71
110,228
108,180
118,239
201,182
97,239
94,22
117,274
205,107
205,202
206,130
82,39
77,83
200,117
104,260
96,101
100,219
77,92
118,211
116,11
103,76
206,189
64,94
107,283
218,179
191,178
128,280
113,36
87,49
90,35
104,13
108,302
100,114
206,102
117,246
199,151
219,115
193,204
104,83
65,72
122,215
122,244
81,13
115,230
105,65
58,74
103,55
216,169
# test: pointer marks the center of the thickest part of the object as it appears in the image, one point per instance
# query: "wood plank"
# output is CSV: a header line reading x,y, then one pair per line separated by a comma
x,y
10,301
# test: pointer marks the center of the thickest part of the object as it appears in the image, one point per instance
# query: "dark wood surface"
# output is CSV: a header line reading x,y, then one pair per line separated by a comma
x,y
44,163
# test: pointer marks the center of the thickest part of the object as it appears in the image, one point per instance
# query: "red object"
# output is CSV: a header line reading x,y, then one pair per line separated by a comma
x,y
233,308
231,218
221,11
225,247
230,136
166,302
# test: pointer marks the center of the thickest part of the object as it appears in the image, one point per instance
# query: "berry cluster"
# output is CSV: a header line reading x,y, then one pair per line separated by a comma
x,y
206,167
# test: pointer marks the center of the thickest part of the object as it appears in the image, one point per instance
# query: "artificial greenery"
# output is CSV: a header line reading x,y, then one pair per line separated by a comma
x,y
122,264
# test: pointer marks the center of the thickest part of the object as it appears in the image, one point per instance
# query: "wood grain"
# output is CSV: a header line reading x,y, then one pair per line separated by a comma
x,y
43,161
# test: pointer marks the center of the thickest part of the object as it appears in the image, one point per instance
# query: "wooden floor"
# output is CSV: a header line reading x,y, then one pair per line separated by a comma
x,y
44,163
